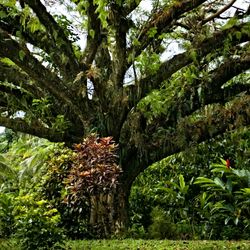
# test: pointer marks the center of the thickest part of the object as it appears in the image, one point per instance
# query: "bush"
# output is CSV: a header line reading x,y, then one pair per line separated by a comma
x,y
229,189
162,227
136,231
6,215
37,224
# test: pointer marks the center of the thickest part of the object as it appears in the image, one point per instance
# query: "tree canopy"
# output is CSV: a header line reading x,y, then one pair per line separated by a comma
x,y
104,67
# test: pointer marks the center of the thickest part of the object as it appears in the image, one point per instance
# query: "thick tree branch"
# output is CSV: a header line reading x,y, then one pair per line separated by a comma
x,y
45,78
162,21
211,88
19,79
23,58
94,37
36,129
121,26
179,61
132,5
56,33
39,39
153,143
223,119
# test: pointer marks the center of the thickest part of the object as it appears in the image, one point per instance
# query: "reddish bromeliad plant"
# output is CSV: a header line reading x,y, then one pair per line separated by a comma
x,y
94,178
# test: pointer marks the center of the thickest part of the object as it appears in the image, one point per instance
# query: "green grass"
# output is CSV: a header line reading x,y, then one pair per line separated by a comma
x,y
155,245
130,244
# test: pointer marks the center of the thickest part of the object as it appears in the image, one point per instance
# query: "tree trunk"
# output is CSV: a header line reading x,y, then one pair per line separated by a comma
x,y
109,213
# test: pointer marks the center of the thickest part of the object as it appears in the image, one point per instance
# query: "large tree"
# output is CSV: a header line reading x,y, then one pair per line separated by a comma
x,y
119,80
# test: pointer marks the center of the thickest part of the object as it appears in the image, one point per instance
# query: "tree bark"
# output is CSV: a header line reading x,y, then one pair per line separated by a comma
x,y
109,213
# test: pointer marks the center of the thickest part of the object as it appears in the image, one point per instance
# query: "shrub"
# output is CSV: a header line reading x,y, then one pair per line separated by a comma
x,y
37,224
6,215
161,227
229,189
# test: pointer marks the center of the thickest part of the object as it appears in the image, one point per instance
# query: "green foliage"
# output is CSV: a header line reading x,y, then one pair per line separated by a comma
x,y
21,170
6,215
230,201
26,160
131,244
10,3
102,11
148,63
169,184
36,224
162,227
52,188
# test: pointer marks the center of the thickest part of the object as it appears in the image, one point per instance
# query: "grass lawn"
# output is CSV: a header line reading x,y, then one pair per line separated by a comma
x,y
155,245
141,245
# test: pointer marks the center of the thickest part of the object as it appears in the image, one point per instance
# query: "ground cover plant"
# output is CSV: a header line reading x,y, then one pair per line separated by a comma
x,y
132,244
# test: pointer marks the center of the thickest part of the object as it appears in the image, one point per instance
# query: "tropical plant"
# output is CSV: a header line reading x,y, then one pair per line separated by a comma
x,y
230,192
94,179
21,169
159,186
36,224
23,164
121,83
74,219
7,222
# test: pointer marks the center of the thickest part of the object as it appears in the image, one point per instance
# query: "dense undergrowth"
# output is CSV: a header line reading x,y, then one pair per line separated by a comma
x,y
201,194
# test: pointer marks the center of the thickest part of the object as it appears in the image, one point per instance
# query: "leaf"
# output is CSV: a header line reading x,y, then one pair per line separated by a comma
x,y
236,221
203,180
9,3
92,33
219,182
227,220
79,76
245,191
152,32
229,185
6,171
21,54
233,21
7,61
182,182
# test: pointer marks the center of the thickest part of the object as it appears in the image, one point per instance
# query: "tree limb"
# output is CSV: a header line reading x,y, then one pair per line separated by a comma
x,y
38,38
36,129
56,33
163,142
218,13
223,119
19,79
94,37
179,61
163,21
132,5
45,78
207,91
121,26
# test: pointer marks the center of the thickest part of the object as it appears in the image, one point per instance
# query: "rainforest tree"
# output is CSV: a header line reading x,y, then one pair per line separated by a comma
x,y
105,67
